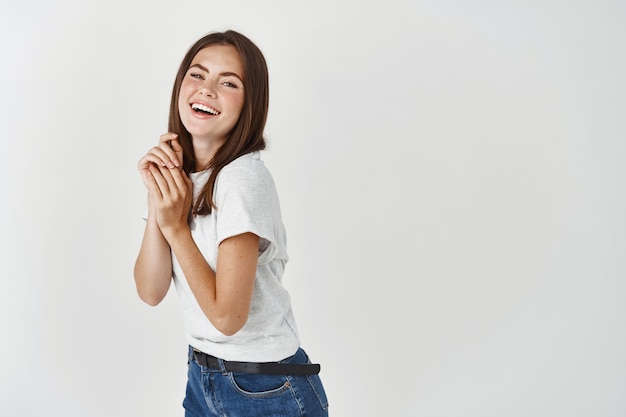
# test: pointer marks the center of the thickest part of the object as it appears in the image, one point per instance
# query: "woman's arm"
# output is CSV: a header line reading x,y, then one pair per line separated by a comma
x,y
153,267
224,295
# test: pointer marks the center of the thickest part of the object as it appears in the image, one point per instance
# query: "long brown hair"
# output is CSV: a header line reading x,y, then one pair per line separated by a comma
x,y
247,134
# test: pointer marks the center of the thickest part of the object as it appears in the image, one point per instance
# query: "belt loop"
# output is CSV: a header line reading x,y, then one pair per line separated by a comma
x,y
222,366
192,356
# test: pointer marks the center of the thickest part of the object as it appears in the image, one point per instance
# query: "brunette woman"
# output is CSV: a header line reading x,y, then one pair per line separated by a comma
x,y
214,228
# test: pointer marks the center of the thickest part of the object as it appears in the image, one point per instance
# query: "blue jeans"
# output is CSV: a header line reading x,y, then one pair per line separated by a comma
x,y
216,392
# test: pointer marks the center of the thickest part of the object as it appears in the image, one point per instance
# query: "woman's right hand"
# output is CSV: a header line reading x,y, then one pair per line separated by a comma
x,y
168,153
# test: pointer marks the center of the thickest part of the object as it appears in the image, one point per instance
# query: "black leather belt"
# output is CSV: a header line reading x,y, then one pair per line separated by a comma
x,y
269,368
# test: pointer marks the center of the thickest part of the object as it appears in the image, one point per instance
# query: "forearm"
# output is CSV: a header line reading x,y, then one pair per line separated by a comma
x,y
153,267
226,305
198,273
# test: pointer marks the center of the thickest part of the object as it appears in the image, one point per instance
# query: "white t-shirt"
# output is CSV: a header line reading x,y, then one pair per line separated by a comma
x,y
247,201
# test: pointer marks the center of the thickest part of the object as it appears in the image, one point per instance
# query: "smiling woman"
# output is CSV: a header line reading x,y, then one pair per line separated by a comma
x,y
211,98
221,240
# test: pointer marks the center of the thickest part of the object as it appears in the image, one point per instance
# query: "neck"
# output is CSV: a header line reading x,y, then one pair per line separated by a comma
x,y
204,151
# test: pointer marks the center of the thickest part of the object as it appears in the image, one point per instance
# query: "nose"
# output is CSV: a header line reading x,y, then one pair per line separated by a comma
x,y
207,90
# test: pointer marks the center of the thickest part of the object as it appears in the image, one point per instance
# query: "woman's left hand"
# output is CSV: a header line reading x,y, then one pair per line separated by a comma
x,y
172,192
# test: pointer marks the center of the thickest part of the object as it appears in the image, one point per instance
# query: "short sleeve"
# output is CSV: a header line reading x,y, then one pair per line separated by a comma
x,y
247,202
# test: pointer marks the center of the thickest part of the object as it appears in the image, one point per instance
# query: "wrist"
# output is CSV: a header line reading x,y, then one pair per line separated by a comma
x,y
176,233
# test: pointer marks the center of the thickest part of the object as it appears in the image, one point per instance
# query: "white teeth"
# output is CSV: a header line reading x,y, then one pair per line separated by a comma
x,y
202,107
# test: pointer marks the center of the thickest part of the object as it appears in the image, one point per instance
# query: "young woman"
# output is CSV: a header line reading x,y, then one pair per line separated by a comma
x,y
214,227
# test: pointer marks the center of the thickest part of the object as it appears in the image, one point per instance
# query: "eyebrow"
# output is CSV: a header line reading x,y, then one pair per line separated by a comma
x,y
224,74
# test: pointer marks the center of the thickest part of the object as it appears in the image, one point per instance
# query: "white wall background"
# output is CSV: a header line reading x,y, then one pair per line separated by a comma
x,y
452,179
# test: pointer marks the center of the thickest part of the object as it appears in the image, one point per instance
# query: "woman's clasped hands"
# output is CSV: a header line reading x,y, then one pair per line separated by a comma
x,y
169,187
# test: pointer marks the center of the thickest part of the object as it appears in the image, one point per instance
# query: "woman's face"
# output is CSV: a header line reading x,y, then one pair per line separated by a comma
x,y
211,94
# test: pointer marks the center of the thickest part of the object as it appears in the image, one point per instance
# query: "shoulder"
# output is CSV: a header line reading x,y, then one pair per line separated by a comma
x,y
246,186
248,168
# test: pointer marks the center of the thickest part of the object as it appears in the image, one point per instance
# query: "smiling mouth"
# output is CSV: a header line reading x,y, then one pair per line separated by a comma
x,y
201,108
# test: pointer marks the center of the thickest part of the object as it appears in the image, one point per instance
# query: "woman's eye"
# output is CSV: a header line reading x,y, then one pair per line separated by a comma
x,y
229,84
194,75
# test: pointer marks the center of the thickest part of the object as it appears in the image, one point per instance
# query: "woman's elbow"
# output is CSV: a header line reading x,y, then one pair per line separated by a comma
x,y
230,326
150,293
150,299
